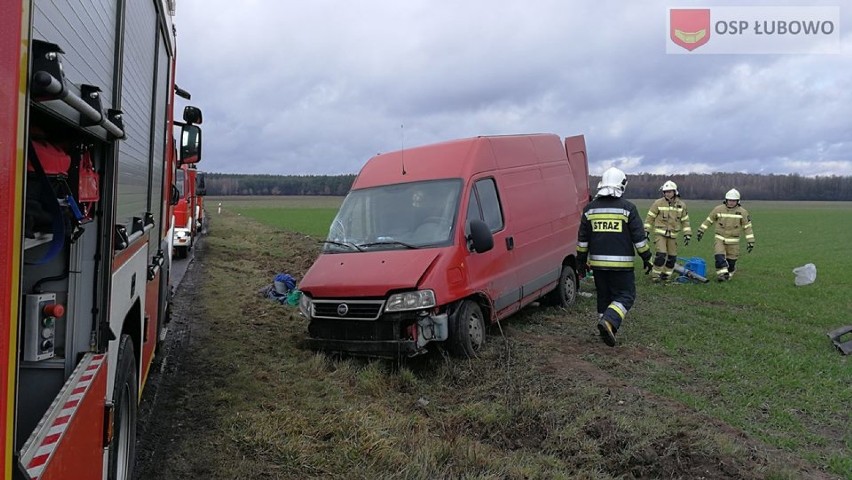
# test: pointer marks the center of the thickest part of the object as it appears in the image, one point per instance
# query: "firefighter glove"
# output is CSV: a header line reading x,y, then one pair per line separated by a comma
x,y
700,234
648,266
750,247
582,269
686,239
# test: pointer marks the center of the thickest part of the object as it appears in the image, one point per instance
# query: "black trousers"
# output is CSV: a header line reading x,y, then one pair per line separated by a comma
x,y
616,294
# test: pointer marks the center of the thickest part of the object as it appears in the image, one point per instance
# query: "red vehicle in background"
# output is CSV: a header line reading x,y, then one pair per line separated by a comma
x,y
188,212
200,192
185,231
87,172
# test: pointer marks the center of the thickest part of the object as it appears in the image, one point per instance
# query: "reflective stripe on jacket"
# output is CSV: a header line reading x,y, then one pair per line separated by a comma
x,y
610,231
668,218
730,223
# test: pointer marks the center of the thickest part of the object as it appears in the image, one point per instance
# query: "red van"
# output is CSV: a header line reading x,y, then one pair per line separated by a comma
x,y
434,242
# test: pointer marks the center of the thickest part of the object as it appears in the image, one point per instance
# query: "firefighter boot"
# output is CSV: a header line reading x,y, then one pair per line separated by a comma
x,y
669,267
732,267
658,270
721,268
607,332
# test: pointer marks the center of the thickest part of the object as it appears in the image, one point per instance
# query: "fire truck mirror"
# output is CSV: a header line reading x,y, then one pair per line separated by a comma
x,y
175,196
192,114
190,144
200,189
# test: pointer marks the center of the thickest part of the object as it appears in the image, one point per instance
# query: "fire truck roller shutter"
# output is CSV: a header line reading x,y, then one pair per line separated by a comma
x,y
81,31
157,199
137,92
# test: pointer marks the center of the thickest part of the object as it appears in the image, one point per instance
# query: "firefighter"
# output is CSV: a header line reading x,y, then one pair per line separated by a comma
x,y
732,222
610,230
666,220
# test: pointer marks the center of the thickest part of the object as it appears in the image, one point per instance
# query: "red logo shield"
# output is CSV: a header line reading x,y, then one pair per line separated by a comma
x,y
689,28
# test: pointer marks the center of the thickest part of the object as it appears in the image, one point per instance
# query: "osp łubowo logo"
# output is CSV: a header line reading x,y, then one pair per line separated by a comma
x,y
689,28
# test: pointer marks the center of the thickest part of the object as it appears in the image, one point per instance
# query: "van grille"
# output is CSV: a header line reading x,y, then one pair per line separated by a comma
x,y
347,330
347,309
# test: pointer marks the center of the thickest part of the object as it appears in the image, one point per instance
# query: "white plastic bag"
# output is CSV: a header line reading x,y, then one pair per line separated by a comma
x,y
805,275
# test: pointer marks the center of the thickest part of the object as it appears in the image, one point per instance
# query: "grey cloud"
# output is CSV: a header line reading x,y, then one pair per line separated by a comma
x,y
318,87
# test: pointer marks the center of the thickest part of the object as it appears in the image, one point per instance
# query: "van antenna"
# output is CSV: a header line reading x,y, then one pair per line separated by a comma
x,y
402,150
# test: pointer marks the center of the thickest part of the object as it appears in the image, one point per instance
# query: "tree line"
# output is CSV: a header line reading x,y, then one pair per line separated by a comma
x,y
711,186
699,186
237,184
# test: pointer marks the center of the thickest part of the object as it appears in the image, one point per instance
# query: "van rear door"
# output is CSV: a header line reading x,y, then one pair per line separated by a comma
x,y
575,147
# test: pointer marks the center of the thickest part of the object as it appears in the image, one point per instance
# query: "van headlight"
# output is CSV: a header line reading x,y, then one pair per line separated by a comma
x,y
400,302
305,305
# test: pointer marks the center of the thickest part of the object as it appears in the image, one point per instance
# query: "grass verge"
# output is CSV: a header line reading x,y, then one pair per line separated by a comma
x,y
717,381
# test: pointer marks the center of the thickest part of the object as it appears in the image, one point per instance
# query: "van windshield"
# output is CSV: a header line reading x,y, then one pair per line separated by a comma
x,y
392,217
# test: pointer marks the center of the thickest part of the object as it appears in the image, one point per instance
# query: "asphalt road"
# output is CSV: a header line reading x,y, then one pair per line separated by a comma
x,y
179,266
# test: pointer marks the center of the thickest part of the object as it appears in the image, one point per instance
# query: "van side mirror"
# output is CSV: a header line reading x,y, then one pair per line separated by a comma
x,y
190,144
480,238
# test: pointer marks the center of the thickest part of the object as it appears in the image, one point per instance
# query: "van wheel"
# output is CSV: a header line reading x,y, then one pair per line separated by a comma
x,y
467,330
565,293
122,449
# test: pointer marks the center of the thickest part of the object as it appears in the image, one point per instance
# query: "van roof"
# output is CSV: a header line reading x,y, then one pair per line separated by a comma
x,y
459,158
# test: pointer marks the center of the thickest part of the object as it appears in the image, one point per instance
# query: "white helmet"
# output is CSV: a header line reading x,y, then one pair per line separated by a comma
x,y
733,194
669,186
612,183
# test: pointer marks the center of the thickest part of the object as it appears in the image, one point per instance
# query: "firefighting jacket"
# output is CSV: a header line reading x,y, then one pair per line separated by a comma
x,y
668,218
610,230
731,224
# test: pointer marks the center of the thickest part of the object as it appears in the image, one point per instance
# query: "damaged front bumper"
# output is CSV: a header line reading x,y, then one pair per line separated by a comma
x,y
385,337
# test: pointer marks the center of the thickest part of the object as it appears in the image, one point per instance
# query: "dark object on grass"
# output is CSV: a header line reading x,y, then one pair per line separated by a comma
x,y
689,274
845,347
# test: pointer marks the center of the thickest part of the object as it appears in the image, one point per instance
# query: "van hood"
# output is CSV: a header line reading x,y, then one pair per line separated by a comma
x,y
366,274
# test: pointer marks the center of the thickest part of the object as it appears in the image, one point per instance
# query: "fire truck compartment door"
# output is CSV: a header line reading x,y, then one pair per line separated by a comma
x,y
69,440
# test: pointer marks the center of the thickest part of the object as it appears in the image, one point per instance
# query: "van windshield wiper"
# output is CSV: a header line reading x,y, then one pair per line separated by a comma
x,y
389,242
348,245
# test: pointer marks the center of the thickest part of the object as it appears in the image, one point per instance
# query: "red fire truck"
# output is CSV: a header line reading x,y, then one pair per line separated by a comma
x,y
188,213
87,170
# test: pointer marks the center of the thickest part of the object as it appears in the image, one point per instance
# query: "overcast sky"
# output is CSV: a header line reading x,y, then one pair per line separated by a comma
x,y
319,86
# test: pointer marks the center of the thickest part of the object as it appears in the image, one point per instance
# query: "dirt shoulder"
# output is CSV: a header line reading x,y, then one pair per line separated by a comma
x,y
162,411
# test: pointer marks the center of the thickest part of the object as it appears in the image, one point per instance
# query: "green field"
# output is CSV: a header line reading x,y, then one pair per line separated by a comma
x,y
755,348
759,343
309,215
731,380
